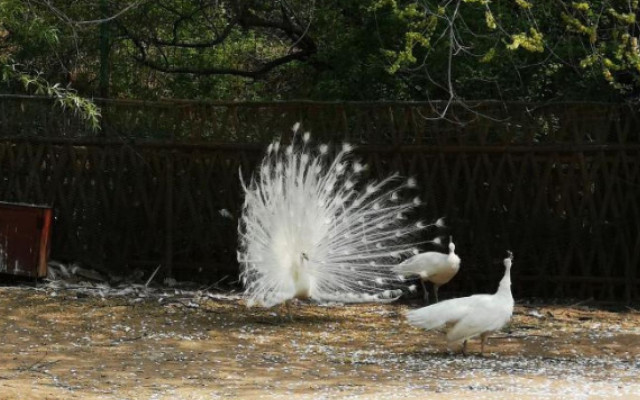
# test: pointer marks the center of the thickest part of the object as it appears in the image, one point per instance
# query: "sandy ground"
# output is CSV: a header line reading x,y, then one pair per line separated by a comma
x,y
64,344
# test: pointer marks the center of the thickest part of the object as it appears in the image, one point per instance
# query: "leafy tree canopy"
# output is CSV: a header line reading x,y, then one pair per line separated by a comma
x,y
332,50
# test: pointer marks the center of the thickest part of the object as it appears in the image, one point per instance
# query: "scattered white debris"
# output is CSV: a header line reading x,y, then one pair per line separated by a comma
x,y
535,313
86,273
90,283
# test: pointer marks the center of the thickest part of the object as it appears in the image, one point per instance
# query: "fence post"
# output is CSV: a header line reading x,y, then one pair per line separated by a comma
x,y
168,213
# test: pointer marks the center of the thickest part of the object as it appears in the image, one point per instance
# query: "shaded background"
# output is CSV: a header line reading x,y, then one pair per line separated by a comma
x,y
558,184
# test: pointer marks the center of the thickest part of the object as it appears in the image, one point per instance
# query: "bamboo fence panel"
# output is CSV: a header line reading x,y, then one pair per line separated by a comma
x,y
559,185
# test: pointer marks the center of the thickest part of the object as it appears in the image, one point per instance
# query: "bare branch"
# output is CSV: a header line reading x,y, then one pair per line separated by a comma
x,y
255,73
280,23
64,17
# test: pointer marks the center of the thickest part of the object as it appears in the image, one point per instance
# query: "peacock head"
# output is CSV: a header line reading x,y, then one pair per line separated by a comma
x,y
508,260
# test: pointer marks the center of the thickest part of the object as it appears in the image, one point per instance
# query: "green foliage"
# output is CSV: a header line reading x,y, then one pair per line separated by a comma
x,y
608,31
523,48
65,97
349,50
532,42
524,4
26,34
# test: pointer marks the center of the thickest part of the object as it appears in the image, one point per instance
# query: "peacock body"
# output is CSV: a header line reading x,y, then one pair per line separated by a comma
x,y
312,228
432,266
480,314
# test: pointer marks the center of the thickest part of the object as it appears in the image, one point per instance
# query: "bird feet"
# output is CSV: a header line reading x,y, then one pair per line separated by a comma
x,y
285,312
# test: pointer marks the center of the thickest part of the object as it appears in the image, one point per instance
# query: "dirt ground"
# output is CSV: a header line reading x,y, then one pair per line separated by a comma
x,y
66,344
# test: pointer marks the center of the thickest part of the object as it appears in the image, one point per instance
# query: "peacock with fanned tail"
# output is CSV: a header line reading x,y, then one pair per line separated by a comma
x,y
312,229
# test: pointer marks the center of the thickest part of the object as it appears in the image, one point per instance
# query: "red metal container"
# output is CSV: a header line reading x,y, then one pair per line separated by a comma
x,y
25,232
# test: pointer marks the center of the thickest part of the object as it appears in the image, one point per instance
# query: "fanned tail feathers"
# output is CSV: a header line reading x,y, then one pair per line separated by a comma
x,y
310,227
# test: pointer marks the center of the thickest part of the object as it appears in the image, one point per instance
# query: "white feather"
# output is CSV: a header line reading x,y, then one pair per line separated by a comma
x,y
307,230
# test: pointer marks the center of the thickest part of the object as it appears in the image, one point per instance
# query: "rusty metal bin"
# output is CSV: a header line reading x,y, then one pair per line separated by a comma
x,y
25,232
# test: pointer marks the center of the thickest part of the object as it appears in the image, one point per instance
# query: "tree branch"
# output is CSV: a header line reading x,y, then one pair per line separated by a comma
x,y
255,73
301,48
193,45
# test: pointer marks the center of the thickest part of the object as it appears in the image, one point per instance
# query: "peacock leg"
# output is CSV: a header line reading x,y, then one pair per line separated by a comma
x,y
483,341
425,292
435,291
464,348
288,303
285,307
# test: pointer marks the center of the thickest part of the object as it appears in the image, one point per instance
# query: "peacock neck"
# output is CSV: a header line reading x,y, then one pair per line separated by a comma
x,y
505,284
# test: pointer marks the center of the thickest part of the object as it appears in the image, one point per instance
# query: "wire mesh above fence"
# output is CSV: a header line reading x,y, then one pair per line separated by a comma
x,y
559,185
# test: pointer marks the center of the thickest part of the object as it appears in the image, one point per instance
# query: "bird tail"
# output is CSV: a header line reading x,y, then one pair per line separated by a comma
x,y
436,315
403,268
409,268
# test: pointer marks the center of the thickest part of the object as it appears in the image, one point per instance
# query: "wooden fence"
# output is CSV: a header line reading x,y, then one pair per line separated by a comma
x,y
558,184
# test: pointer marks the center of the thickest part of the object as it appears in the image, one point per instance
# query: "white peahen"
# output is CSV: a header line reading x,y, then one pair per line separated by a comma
x,y
311,229
475,315
432,266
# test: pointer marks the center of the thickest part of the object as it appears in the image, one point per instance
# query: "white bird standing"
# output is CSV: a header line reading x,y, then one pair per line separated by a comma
x,y
432,266
310,229
475,315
